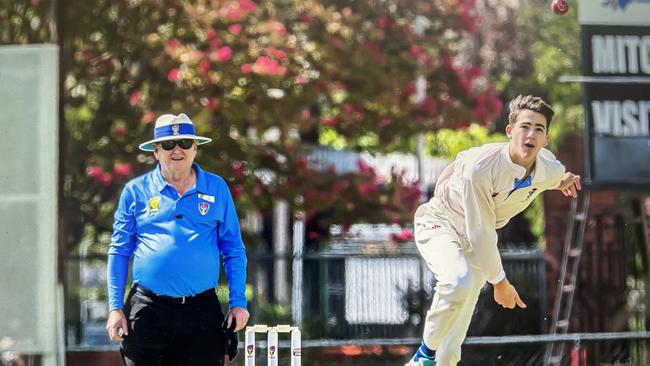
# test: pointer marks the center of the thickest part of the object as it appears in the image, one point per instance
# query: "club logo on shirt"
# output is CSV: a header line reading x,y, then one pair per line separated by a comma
x,y
530,194
175,128
250,349
154,205
203,208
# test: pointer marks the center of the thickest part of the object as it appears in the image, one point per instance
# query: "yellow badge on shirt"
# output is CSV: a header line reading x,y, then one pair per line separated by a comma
x,y
203,208
154,205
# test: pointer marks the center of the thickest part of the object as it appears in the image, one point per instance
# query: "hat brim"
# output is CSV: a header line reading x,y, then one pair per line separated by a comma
x,y
148,146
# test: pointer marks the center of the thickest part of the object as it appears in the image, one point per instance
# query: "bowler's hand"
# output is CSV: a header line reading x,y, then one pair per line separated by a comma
x,y
570,185
240,315
506,295
116,321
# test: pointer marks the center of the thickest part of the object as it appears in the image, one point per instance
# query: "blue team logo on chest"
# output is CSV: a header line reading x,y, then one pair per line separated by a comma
x,y
203,208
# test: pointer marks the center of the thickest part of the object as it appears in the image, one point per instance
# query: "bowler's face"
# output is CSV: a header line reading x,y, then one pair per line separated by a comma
x,y
176,160
528,134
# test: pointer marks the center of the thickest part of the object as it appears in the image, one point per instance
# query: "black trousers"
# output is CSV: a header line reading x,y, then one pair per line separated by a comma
x,y
165,331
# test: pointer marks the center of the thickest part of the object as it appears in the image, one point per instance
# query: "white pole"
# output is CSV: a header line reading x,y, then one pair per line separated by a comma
x,y
249,356
272,339
298,245
280,248
295,347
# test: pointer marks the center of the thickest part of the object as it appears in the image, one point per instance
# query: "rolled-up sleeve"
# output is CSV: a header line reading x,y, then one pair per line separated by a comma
x,y
232,251
121,248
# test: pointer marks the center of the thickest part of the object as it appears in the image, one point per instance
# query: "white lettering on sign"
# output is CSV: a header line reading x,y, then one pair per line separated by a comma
x,y
621,118
620,54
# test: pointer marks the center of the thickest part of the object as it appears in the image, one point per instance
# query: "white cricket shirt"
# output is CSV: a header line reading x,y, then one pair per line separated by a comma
x,y
485,190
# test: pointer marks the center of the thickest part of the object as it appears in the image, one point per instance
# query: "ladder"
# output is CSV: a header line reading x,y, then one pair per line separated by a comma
x,y
573,241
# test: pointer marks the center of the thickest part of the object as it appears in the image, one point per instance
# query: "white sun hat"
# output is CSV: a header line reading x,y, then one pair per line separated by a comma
x,y
171,127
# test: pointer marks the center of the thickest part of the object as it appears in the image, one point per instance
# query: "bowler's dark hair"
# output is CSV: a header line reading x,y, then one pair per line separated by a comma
x,y
535,104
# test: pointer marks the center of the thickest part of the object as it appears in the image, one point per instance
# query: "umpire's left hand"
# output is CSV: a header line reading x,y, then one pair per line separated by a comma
x,y
240,315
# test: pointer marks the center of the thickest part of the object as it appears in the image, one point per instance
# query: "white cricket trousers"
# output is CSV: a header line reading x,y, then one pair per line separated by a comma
x,y
459,281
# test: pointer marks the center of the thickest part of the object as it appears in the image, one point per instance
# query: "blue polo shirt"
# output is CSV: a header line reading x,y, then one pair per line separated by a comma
x,y
176,242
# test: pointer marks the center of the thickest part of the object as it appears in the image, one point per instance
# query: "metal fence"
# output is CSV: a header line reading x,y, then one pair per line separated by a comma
x,y
366,302
354,291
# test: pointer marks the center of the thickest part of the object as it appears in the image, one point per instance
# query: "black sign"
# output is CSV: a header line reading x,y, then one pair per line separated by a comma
x,y
616,62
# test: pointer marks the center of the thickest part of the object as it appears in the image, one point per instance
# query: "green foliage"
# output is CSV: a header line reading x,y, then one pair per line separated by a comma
x,y
448,142
264,80
555,47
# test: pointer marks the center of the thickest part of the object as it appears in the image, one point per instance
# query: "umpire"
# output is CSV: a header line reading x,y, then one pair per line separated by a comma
x,y
175,222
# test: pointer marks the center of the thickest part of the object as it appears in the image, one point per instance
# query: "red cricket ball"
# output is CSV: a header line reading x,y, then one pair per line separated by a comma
x,y
560,7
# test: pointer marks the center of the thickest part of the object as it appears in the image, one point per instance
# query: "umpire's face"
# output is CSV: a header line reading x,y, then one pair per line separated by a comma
x,y
175,156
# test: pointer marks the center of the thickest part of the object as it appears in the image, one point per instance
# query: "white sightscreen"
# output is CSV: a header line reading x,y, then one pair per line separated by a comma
x,y
28,192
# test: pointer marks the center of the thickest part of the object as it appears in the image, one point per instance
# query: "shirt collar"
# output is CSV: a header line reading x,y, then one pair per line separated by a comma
x,y
201,184
538,173
160,182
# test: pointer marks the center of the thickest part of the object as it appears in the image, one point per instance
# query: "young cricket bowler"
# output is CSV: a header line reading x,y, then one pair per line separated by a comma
x,y
455,231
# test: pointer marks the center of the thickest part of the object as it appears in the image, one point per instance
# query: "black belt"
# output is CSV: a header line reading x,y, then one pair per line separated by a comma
x,y
171,299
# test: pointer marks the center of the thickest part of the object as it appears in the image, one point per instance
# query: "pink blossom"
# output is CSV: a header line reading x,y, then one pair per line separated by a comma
x,y
94,171
473,72
385,22
247,5
403,236
172,75
365,168
204,66
279,28
408,90
210,103
266,66
106,179
122,170
238,169
383,122
300,79
496,104
135,98
246,68
171,45
148,117
301,163
232,11
224,54
276,53
415,50
329,121
305,114
429,106
368,189
215,43
236,191
448,62
258,190
235,29
211,33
